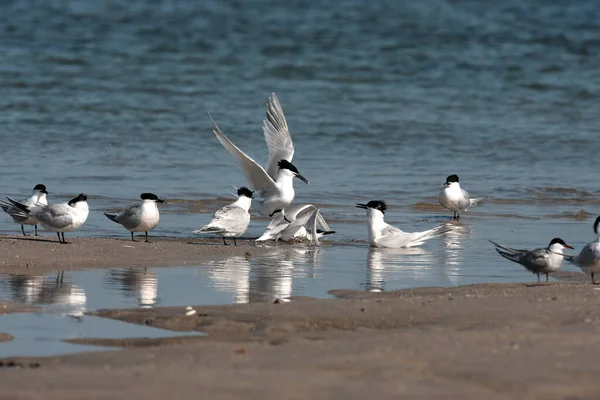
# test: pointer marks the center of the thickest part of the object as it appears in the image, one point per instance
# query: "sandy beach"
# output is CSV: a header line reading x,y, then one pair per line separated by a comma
x,y
21,255
501,341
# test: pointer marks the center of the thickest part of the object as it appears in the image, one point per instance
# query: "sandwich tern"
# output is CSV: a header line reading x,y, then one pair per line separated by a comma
x,y
38,198
297,222
539,261
382,234
589,257
455,199
231,220
59,217
273,185
140,218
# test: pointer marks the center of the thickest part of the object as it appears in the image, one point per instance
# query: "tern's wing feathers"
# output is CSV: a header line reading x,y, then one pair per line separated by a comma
x,y
230,219
536,260
57,216
256,175
130,218
395,237
587,256
277,136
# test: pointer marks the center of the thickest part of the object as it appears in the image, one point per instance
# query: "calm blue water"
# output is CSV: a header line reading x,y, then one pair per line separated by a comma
x,y
384,100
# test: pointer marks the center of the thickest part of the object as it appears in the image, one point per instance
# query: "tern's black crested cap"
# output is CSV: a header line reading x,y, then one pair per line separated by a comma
x,y
244,191
285,164
557,240
80,198
378,205
452,178
149,196
596,224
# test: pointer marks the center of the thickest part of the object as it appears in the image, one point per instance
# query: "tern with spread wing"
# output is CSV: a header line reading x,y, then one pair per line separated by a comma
x,y
274,185
539,261
297,222
382,234
38,198
456,199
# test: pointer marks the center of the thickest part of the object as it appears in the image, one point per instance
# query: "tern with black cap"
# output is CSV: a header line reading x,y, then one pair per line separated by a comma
x,y
59,217
231,220
454,198
274,184
382,234
539,261
589,257
38,198
140,218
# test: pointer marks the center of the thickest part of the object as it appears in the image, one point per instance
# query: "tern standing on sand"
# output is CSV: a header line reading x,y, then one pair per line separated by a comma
x,y
38,198
140,218
231,220
59,218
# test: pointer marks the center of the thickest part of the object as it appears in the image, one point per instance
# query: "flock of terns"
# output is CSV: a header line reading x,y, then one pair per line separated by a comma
x,y
273,194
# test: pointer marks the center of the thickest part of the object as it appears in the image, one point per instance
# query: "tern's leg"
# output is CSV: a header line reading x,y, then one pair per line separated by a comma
x,y
147,241
593,281
538,275
546,277
63,238
23,230
224,242
36,234
234,242
58,234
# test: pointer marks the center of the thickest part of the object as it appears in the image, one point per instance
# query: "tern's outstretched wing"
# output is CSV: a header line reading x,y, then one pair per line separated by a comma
x,y
256,175
277,136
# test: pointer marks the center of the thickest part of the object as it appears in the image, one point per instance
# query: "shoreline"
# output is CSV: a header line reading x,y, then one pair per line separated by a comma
x,y
501,341
42,254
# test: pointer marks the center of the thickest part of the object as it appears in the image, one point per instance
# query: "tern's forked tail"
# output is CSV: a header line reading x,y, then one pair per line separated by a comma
x,y
112,217
17,209
475,201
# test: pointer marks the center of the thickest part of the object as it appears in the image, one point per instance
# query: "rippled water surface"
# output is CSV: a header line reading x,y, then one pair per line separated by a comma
x,y
384,100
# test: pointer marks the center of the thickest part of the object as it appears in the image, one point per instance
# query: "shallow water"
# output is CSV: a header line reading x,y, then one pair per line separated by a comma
x,y
383,101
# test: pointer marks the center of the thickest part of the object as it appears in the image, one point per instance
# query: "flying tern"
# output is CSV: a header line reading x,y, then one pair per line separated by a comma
x,y
455,199
59,217
273,185
231,220
382,234
140,218
539,261
38,198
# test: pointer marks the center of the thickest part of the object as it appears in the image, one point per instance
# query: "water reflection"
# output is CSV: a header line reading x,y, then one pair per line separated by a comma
x,y
265,277
397,268
454,250
135,282
52,290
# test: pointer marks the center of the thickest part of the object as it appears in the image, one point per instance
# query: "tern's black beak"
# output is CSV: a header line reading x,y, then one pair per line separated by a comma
x,y
161,201
360,205
44,191
303,179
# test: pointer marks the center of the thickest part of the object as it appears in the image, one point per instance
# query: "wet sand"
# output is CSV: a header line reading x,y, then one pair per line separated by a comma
x,y
501,341
42,254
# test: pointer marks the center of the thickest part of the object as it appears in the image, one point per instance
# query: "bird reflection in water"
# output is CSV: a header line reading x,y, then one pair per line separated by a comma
x,y
52,290
397,268
454,250
266,277
135,282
